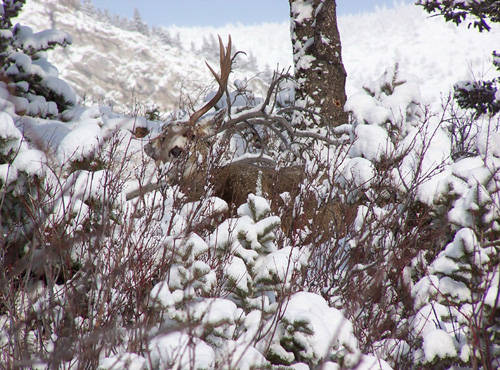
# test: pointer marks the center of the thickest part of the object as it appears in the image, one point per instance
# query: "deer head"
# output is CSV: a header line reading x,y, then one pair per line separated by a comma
x,y
176,138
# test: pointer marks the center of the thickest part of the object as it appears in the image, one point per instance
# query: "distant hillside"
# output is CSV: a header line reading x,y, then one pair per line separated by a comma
x,y
120,66
112,65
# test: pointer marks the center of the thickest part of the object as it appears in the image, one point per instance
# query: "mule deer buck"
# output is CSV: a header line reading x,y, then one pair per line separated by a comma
x,y
189,144
176,137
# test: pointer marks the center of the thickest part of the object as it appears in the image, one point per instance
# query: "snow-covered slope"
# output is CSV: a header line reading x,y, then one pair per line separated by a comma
x,y
109,64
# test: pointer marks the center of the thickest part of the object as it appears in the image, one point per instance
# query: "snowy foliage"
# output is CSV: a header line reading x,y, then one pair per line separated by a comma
x,y
457,11
33,80
481,96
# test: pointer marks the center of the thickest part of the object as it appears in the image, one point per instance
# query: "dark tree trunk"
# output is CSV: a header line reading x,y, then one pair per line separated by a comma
x,y
319,70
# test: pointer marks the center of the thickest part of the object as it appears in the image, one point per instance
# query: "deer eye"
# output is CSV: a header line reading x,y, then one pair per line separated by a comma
x,y
176,151
190,135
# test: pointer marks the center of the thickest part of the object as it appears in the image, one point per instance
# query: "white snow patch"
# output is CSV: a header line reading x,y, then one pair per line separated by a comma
x,y
438,343
371,142
129,361
178,350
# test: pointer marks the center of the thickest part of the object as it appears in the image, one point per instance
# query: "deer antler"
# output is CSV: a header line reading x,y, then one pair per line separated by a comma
x,y
225,70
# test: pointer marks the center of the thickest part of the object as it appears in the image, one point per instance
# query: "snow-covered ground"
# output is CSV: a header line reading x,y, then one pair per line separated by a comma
x,y
111,64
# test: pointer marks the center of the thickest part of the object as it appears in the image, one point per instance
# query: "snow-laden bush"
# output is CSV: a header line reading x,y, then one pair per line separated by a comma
x,y
460,293
21,178
256,319
33,81
424,206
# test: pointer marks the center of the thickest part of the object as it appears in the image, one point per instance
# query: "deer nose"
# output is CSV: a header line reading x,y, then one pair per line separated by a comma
x,y
176,151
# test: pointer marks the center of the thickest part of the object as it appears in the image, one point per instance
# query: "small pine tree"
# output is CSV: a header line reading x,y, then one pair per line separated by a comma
x,y
19,188
139,25
458,300
249,239
32,80
87,7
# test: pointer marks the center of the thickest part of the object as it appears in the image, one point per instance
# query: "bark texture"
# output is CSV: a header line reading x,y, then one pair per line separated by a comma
x,y
319,70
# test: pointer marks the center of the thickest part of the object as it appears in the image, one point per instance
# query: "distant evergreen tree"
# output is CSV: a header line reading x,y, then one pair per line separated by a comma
x,y
87,7
139,25
75,4
163,35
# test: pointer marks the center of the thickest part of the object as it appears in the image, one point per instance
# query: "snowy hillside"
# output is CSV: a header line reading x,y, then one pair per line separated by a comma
x,y
106,63
114,66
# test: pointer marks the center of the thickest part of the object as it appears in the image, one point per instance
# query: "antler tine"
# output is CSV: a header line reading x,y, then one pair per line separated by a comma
x,y
222,79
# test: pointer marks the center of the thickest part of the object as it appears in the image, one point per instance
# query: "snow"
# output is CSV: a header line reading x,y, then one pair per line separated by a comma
x,y
465,241
444,266
488,140
22,63
493,290
328,325
358,172
429,318
161,294
80,143
8,174
129,361
29,40
61,88
279,265
424,289
261,207
366,109
242,356
455,289
369,362
196,245
178,350
237,273
215,311
302,10
31,161
9,133
209,206
371,142
81,185
438,343
245,236
72,210
471,168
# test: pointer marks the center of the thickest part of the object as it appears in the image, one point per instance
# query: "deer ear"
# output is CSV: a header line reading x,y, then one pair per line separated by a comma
x,y
211,125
